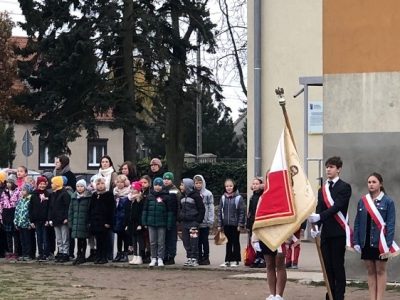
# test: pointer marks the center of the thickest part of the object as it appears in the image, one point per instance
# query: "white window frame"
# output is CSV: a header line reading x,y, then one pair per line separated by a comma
x,y
46,163
92,147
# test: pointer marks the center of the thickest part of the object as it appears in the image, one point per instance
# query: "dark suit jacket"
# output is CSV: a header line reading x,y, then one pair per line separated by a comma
x,y
341,193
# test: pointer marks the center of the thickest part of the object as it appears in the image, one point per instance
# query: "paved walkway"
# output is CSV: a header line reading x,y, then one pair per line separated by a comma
x,y
309,267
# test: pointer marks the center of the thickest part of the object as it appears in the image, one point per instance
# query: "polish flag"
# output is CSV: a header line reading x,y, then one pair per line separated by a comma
x,y
288,198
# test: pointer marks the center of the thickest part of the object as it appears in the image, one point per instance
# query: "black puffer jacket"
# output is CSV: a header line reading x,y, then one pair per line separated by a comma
x,y
59,206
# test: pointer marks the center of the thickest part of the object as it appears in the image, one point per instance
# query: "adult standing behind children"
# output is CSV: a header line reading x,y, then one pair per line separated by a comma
x,y
58,217
62,168
208,221
374,228
155,168
107,172
231,219
331,212
128,169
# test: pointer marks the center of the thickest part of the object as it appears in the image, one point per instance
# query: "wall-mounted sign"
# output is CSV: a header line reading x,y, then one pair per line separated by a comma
x,y
315,117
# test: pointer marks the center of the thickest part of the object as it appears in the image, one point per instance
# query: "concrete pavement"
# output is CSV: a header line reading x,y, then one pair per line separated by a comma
x,y
309,267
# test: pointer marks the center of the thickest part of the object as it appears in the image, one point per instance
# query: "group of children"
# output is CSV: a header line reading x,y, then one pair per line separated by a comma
x,y
45,215
142,215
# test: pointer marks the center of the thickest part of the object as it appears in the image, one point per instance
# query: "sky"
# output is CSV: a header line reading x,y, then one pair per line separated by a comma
x,y
231,87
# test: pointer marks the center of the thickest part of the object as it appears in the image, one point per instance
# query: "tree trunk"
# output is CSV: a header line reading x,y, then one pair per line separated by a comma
x,y
175,149
129,128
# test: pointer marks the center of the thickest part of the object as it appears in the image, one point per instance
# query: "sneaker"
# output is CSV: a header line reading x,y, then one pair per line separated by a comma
x,y
139,260
133,261
194,263
118,257
188,262
124,257
278,297
270,297
160,262
288,265
153,262
294,266
225,264
235,264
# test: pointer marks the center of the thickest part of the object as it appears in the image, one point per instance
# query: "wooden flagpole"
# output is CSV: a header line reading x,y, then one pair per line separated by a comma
x,y
282,102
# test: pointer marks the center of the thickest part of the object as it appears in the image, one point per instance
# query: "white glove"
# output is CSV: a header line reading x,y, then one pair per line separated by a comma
x,y
315,233
357,248
314,218
256,246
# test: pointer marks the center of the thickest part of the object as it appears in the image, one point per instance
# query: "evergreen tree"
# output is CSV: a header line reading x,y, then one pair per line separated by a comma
x,y
7,145
178,21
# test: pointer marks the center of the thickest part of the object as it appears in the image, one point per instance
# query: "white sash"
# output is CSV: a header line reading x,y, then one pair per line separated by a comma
x,y
343,221
376,216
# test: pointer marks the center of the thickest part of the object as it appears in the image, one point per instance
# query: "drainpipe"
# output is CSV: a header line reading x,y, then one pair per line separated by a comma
x,y
257,88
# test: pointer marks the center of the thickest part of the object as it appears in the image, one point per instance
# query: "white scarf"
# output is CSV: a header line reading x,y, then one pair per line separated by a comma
x,y
106,174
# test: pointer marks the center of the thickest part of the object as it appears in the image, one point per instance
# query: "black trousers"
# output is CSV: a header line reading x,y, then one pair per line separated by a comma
x,y
81,253
102,242
233,244
333,250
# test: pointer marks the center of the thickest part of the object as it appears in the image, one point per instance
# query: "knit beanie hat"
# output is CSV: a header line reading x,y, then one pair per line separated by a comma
x,y
168,175
158,181
137,185
41,179
28,187
81,182
156,161
12,178
58,182
65,180
3,176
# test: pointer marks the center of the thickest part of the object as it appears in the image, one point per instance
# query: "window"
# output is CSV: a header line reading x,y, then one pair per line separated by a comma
x,y
45,161
96,149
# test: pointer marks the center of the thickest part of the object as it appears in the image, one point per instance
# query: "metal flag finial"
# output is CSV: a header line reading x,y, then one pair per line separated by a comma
x,y
281,95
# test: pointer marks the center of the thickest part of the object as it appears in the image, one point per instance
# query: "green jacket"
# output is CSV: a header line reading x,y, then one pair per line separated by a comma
x,y
78,215
156,210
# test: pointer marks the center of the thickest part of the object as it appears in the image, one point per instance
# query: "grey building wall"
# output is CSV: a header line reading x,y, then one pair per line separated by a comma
x,y
362,126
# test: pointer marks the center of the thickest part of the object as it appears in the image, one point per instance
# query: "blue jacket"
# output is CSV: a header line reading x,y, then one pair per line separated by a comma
x,y
119,214
388,213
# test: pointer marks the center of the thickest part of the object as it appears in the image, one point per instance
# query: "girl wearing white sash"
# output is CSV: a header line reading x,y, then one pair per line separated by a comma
x,y
373,234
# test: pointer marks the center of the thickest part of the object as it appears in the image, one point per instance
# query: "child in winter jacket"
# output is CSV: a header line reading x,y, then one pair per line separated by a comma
x,y
58,217
101,215
145,180
133,222
208,221
157,216
78,219
256,187
38,213
8,202
121,192
191,215
22,223
231,218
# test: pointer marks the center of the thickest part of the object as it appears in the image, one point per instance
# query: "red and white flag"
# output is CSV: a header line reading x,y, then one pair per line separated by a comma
x,y
288,198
